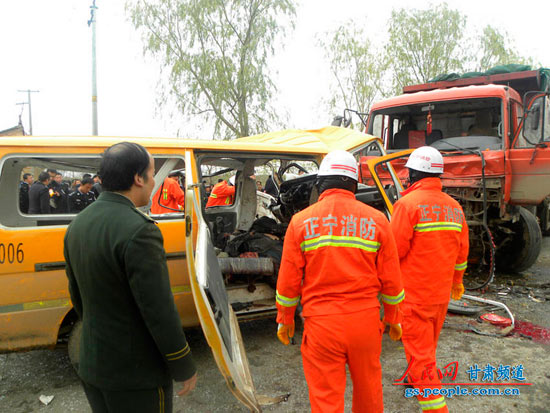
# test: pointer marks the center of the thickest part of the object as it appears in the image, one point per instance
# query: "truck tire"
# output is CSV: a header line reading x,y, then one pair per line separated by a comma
x,y
73,346
522,252
544,216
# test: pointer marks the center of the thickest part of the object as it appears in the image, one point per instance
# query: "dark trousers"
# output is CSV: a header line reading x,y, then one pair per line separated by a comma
x,y
158,400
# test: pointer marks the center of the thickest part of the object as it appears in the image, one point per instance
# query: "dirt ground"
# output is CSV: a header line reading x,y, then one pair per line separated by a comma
x,y
276,369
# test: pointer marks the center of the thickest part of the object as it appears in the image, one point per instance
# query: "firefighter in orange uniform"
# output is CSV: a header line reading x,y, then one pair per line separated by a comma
x,y
222,193
169,198
338,255
432,240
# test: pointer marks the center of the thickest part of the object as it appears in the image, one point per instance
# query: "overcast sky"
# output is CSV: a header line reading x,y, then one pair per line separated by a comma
x,y
46,46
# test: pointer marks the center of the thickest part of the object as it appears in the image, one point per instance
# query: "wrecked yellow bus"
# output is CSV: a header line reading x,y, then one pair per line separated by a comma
x,y
211,287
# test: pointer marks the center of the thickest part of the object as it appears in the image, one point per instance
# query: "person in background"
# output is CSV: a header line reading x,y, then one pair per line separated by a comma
x,y
222,194
259,186
75,185
169,198
39,195
96,187
58,200
52,173
82,197
132,345
24,187
207,188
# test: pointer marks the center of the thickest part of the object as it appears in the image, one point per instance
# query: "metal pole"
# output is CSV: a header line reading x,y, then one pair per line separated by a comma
x,y
30,111
92,22
29,103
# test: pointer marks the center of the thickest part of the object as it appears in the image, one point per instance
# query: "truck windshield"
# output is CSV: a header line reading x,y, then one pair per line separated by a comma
x,y
465,123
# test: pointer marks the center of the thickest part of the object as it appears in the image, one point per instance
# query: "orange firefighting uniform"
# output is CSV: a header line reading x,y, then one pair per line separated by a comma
x,y
338,255
222,194
172,196
432,240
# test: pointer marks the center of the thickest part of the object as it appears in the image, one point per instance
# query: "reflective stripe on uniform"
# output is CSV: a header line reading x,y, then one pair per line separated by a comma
x,y
438,226
285,301
339,241
213,195
393,299
460,267
434,404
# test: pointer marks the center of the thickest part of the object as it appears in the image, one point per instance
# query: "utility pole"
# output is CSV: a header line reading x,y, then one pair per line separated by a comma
x,y
92,22
28,102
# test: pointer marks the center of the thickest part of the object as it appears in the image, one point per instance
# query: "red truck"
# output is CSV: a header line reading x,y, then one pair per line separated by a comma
x,y
494,132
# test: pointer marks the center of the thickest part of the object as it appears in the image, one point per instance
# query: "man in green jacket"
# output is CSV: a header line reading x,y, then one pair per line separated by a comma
x,y
132,344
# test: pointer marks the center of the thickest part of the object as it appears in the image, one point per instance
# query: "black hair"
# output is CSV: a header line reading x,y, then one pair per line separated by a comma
x,y
336,181
95,176
220,180
26,175
87,181
51,171
86,176
415,176
44,176
120,163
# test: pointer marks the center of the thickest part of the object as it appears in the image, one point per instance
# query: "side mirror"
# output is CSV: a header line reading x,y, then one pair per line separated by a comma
x,y
534,117
337,121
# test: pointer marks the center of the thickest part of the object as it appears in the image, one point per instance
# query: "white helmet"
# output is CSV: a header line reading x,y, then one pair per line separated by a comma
x,y
426,159
232,180
340,163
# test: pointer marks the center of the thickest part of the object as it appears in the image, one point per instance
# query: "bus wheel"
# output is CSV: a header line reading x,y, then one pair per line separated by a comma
x,y
524,248
544,216
74,344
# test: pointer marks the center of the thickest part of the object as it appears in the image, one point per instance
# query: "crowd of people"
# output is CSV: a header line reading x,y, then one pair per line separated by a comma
x,y
52,194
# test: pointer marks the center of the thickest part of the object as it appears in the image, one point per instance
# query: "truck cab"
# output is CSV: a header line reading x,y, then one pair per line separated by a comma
x,y
494,133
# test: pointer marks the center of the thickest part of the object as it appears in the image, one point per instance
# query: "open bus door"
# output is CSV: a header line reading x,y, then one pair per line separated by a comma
x,y
218,321
216,316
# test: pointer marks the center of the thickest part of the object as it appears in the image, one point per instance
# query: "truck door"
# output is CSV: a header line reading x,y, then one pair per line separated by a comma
x,y
216,316
530,155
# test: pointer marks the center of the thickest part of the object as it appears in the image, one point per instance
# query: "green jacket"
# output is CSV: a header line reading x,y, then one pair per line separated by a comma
x,y
132,336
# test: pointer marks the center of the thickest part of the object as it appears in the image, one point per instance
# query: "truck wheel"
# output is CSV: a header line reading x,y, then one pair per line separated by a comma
x,y
544,216
522,252
74,344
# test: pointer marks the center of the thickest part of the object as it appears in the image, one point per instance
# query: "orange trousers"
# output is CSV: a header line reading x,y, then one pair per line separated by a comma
x,y
421,327
331,341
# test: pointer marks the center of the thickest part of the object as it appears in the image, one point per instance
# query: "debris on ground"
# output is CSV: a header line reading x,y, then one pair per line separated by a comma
x,y
45,400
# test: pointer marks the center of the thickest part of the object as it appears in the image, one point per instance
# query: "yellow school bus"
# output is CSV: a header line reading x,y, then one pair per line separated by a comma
x,y
209,288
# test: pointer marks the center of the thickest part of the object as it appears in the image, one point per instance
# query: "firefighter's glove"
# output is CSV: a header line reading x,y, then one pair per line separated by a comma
x,y
395,332
285,332
456,291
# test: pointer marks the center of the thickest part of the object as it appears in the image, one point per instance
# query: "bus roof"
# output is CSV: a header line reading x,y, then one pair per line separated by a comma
x,y
317,141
